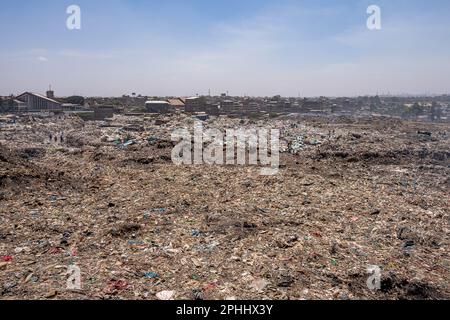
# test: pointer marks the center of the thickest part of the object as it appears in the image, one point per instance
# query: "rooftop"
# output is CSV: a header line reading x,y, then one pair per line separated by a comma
x,y
40,96
156,102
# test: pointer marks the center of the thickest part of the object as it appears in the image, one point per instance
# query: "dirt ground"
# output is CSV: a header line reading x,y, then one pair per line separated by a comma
x,y
359,193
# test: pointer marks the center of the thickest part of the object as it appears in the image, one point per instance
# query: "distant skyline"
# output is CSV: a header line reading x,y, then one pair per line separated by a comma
x,y
245,47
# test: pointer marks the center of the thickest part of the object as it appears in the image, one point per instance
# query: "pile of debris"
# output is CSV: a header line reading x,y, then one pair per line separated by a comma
x,y
107,201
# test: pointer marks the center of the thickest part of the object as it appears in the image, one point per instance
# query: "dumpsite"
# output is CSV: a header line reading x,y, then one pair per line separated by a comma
x,y
352,193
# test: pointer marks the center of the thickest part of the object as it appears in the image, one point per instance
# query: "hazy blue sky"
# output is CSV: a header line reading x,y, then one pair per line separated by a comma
x,y
253,47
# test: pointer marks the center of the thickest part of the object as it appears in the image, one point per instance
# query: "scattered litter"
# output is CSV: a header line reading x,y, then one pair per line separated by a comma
x,y
351,192
116,286
259,284
165,295
51,294
297,145
7,258
196,233
151,275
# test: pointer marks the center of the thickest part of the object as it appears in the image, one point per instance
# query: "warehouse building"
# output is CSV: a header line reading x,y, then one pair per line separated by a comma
x,y
158,106
37,102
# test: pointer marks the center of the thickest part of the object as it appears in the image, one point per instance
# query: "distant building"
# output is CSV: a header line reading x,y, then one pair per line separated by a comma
x,y
226,105
37,102
71,107
176,104
311,105
194,104
50,94
213,109
9,104
158,106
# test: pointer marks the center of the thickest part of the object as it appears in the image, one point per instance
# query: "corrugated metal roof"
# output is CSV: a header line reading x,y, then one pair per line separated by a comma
x,y
156,102
39,96
176,102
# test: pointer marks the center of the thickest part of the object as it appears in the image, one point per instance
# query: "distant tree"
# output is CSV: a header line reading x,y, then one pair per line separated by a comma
x,y
376,100
436,112
417,110
75,100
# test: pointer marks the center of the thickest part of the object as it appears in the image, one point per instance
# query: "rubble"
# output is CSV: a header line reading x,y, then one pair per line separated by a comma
x,y
351,192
